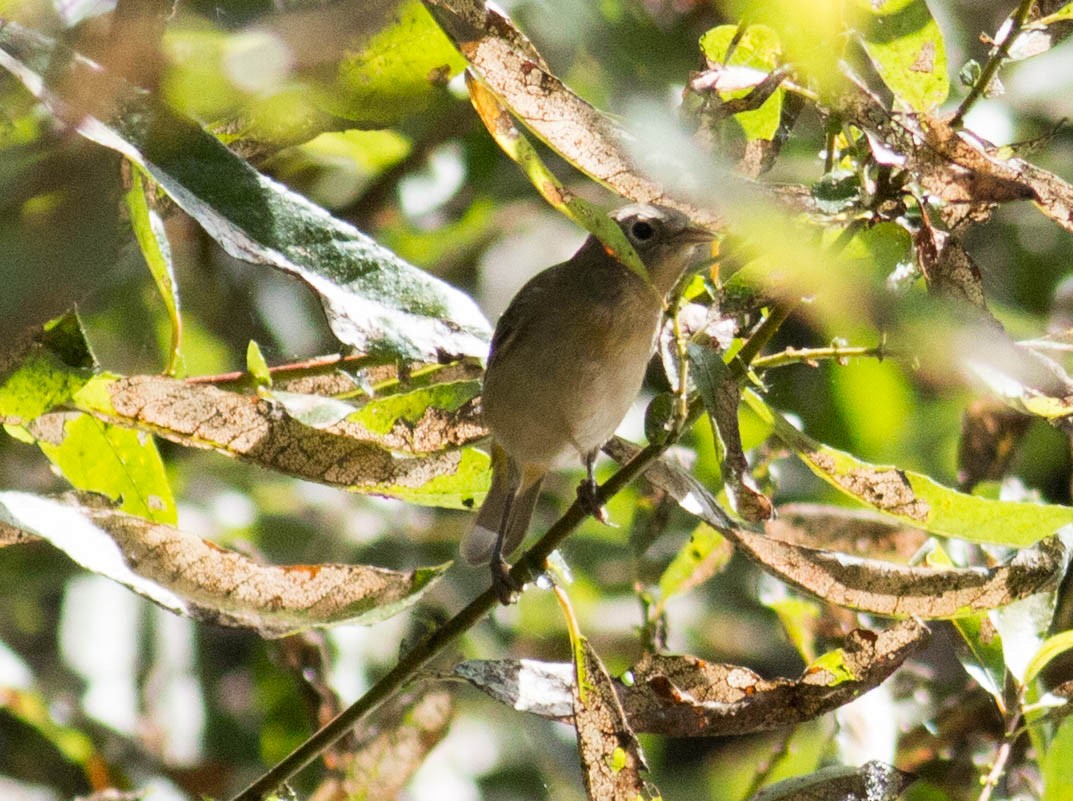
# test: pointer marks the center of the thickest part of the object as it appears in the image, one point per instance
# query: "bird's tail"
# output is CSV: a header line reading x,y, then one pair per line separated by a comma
x,y
520,493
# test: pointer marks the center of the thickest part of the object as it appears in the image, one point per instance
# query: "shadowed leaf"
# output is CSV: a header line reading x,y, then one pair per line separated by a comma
x,y
375,301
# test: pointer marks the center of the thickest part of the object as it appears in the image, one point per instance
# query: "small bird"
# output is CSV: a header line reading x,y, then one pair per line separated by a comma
x,y
568,358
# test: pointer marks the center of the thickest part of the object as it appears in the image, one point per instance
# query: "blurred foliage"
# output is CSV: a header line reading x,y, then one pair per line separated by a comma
x,y
899,311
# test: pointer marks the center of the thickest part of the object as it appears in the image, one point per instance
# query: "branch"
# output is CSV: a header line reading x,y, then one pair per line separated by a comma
x,y
436,642
998,55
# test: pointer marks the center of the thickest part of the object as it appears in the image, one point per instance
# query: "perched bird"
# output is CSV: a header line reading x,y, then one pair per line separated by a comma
x,y
567,360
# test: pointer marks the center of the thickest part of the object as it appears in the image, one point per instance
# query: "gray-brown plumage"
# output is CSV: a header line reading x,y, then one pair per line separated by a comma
x,y
567,360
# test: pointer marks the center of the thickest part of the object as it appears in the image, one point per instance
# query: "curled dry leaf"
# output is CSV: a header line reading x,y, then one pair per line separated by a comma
x,y
543,688
919,500
968,174
195,578
873,781
990,433
611,757
510,66
872,585
385,761
258,430
853,531
948,268
682,696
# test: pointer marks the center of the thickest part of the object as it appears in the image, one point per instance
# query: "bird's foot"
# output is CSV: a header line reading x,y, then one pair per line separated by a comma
x,y
587,497
502,582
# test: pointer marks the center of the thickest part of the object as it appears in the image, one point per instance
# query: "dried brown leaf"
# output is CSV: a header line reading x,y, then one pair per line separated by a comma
x,y
508,64
542,688
959,171
611,757
382,765
948,268
682,696
853,531
196,578
990,433
258,430
870,585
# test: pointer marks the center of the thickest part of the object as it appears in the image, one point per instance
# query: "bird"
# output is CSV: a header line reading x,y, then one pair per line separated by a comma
x,y
567,360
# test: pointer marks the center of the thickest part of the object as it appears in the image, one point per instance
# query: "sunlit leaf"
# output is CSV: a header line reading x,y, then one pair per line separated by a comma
x,y
515,73
119,463
153,241
497,120
397,72
917,499
872,585
1057,777
253,428
1051,648
706,553
757,47
907,50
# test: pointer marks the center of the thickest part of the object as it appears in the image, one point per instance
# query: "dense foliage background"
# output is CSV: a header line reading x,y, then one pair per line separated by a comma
x,y
900,278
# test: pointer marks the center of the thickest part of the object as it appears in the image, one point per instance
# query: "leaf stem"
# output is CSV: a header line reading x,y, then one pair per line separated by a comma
x,y
998,54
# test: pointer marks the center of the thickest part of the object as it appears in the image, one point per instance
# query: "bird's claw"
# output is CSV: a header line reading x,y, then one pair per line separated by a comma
x,y
502,582
590,502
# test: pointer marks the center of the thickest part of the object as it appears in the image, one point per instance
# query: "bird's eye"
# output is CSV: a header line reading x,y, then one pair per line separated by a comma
x,y
642,231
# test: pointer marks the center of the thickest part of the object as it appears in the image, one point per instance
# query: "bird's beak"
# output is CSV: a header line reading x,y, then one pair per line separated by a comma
x,y
695,234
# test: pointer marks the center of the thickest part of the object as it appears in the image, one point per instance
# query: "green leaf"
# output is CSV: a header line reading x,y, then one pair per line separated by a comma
x,y
1064,13
834,662
985,662
798,617
398,72
721,394
41,382
256,365
1057,777
1023,626
915,498
381,414
706,553
375,301
906,47
497,120
759,48
461,489
1051,648
51,372
119,463
153,241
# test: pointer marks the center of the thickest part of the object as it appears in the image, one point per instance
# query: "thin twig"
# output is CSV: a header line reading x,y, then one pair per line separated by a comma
x,y
798,355
1002,755
994,61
